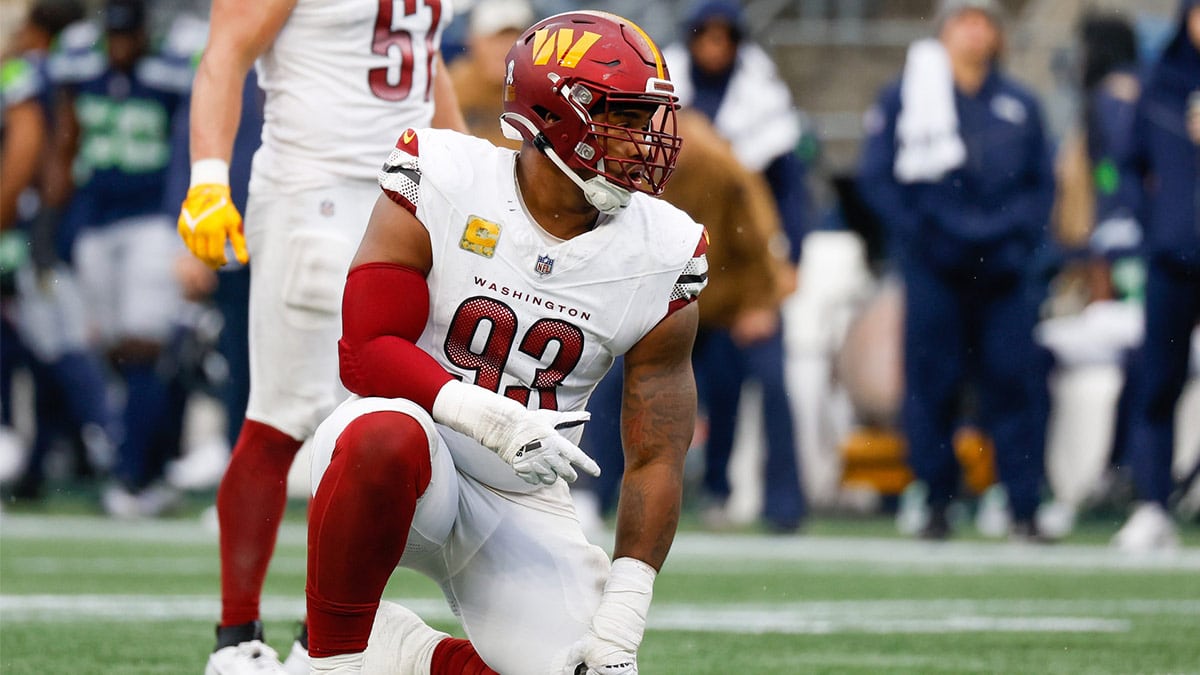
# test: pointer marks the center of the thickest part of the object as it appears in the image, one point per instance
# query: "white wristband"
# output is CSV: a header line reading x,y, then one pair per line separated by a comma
x,y
621,617
209,172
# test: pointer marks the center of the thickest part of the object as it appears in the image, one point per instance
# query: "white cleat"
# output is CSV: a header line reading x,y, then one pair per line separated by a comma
x,y
1056,519
401,643
252,657
992,518
912,515
1149,528
120,503
297,661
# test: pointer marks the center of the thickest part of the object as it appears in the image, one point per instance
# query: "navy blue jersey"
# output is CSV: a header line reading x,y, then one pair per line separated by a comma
x,y
1110,144
21,80
1166,156
125,138
984,216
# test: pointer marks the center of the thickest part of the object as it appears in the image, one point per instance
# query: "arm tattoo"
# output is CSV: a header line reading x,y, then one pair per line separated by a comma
x,y
659,416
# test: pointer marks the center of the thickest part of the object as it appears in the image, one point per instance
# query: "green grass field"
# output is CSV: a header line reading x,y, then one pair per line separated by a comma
x,y
80,594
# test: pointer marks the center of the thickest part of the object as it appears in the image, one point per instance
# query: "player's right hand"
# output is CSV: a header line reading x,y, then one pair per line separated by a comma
x,y
207,220
529,440
548,455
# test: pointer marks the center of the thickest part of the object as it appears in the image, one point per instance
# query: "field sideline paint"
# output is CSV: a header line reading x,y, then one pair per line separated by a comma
x,y
818,618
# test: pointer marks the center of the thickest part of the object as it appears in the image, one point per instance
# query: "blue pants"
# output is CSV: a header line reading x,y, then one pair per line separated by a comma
x,y
233,298
956,327
1172,310
721,369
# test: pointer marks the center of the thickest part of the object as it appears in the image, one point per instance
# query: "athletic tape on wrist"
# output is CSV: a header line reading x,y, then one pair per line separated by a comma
x,y
621,617
481,414
209,172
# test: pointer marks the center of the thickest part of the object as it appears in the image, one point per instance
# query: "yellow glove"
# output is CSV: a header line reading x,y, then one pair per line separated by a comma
x,y
208,218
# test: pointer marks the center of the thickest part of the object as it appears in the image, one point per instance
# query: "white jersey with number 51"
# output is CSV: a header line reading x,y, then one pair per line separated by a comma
x,y
342,78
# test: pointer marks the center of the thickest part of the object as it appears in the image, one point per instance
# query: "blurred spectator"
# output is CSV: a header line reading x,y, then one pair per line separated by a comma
x,y
721,73
732,82
1111,90
1093,197
1095,311
478,75
125,250
44,326
739,334
23,139
1165,157
956,166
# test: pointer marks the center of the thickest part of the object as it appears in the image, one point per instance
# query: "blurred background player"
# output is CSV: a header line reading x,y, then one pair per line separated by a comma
x,y
24,134
1166,159
122,104
1092,319
955,164
43,319
340,79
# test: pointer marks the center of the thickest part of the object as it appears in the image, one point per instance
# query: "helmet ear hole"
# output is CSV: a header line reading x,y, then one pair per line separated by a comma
x,y
545,115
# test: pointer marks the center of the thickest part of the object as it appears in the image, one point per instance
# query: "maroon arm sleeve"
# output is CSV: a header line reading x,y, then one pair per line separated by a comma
x,y
384,310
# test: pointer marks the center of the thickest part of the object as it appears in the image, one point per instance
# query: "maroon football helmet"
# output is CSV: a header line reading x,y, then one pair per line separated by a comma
x,y
574,67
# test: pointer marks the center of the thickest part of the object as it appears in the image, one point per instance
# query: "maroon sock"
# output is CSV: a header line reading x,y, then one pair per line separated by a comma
x,y
357,526
250,505
455,656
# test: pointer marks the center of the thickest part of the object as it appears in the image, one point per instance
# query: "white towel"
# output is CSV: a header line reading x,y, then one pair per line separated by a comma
x,y
757,115
927,130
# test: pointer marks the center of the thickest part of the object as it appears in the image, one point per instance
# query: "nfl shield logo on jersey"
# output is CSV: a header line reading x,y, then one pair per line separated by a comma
x,y
544,265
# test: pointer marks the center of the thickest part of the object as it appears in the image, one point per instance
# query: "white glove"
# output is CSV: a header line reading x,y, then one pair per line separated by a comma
x,y
526,439
611,644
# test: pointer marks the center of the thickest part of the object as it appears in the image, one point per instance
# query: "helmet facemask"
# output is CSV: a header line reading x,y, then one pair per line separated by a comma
x,y
641,124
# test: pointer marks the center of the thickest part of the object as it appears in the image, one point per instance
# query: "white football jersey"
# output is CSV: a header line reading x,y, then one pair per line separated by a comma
x,y
522,313
342,78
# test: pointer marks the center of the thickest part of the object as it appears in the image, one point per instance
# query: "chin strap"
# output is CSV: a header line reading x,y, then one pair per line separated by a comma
x,y
606,197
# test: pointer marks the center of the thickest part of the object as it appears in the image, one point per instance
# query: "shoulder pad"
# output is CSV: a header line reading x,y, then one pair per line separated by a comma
x,y
692,278
19,81
400,177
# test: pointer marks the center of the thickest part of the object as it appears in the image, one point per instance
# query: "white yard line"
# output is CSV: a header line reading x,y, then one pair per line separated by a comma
x,y
694,550
153,566
817,618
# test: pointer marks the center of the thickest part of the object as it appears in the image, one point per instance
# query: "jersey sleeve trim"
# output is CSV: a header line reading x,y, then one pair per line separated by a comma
x,y
692,278
400,177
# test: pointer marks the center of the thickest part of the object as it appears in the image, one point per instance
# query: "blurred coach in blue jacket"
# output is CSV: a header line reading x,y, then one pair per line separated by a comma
x,y
1165,157
956,165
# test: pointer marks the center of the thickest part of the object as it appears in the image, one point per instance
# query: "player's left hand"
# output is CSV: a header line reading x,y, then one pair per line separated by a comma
x,y
611,643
